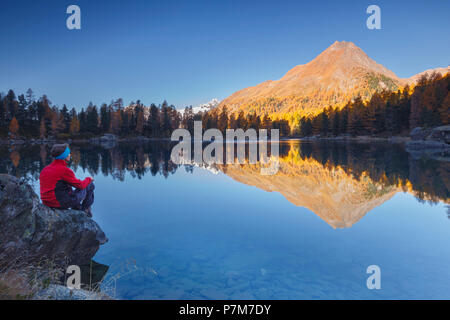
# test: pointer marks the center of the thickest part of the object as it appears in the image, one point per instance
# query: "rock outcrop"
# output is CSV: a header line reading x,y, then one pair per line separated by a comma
x,y
419,133
31,232
440,134
433,143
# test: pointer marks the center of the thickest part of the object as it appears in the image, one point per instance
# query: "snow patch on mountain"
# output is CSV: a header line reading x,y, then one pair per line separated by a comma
x,y
205,107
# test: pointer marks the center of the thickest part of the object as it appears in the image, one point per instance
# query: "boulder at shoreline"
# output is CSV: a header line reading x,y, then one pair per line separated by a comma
x,y
31,232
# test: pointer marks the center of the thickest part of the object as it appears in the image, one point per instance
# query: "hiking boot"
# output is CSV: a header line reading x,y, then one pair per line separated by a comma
x,y
88,212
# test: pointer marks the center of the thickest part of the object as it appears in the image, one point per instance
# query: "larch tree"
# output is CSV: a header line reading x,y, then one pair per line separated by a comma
x,y
14,127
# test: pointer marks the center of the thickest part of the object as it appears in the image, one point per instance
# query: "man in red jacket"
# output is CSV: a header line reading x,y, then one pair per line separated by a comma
x,y
56,182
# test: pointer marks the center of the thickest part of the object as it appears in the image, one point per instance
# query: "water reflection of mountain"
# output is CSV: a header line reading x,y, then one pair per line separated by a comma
x,y
339,182
329,192
342,182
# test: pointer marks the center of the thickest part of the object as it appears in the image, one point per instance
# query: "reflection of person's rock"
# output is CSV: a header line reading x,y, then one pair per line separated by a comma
x,y
31,232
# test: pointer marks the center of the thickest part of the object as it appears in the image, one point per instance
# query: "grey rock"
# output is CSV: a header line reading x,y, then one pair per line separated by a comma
x,y
108,137
107,141
440,134
419,133
31,232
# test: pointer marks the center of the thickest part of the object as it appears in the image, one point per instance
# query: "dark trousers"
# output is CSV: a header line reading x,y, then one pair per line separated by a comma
x,y
81,199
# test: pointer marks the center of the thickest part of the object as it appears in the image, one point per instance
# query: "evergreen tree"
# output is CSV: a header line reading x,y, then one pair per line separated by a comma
x,y
222,123
335,123
92,119
105,118
165,120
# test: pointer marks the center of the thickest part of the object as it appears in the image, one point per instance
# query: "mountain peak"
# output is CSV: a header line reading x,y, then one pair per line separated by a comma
x,y
343,44
337,75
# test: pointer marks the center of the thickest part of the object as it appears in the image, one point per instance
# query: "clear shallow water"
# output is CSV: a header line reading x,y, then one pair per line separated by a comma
x,y
189,233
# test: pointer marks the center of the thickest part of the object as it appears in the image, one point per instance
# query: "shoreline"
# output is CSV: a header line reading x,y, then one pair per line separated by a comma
x,y
407,141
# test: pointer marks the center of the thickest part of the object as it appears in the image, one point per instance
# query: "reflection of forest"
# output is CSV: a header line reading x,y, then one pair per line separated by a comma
x,y
342,182
376,169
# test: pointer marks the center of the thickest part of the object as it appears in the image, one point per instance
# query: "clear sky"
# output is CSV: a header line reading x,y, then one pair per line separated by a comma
x,y
189,52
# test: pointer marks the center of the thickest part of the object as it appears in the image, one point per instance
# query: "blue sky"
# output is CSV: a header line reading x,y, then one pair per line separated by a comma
x,y
189,52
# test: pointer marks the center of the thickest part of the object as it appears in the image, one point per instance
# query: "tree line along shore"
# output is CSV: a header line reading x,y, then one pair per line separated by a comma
x,y
385,114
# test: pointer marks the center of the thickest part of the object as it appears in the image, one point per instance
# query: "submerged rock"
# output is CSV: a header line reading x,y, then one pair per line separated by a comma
x,y
31,232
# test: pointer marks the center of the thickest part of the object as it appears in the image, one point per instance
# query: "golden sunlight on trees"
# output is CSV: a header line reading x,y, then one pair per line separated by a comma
x,y
74,126
426,104
14,127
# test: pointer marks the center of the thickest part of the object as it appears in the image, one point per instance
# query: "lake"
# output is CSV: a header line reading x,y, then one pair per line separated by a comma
x,y
310,231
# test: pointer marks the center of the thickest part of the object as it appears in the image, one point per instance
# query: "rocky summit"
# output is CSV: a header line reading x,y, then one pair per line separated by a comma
x,y
339,74
31,232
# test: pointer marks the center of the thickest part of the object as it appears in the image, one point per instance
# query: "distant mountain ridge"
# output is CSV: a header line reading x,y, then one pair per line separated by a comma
x,y
337,75
414,78
204,107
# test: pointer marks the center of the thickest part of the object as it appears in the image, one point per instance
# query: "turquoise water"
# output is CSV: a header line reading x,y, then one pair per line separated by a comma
x,y
191,233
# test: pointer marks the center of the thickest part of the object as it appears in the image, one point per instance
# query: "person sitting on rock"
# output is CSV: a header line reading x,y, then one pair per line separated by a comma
x,y
56,182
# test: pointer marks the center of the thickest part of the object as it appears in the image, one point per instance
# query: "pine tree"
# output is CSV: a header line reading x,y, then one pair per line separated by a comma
x,y
140,122
82,119
65,118
92,119
11,104
165,120
154,121
105,118
355,125
222,123
240,120
316,122
343,121
2,112
324,123
116,122
444,110
42,129
335,123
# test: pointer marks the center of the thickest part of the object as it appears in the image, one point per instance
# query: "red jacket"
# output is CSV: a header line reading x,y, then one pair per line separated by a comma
x,y
56,182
